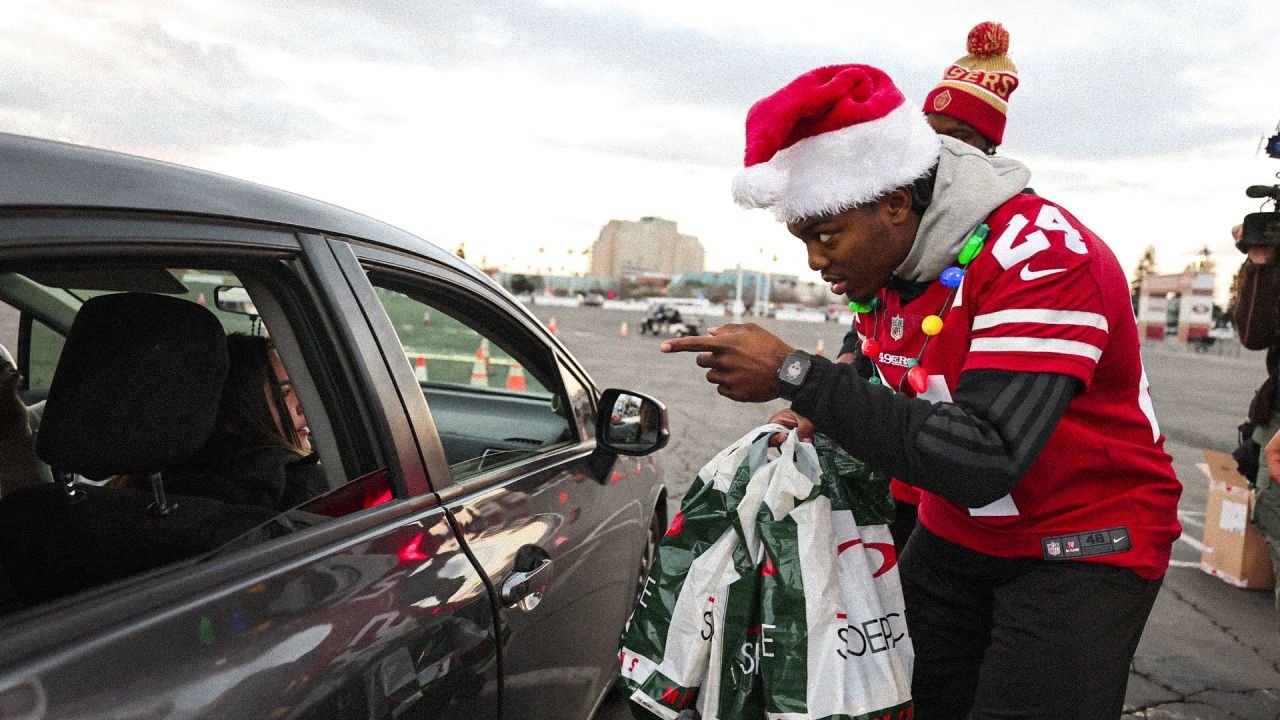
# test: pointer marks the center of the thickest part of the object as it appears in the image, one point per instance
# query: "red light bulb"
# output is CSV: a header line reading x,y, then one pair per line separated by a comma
x,y
871,347
918,379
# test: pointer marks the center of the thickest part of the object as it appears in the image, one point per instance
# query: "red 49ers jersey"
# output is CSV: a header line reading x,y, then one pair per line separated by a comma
x,y
1046,295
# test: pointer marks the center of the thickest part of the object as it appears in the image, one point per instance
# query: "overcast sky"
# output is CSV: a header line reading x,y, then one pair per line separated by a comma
x,y
513,126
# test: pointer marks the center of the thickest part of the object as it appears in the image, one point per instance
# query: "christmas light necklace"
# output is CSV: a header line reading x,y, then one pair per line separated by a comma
x,y
917,376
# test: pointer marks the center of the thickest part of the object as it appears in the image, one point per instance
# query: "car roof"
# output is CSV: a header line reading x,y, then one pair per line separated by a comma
x,y
38,173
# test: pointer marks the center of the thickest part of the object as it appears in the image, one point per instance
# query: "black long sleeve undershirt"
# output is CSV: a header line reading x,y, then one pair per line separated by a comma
x,y
971,451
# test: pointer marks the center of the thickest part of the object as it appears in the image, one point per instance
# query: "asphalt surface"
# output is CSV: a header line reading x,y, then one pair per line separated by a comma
x,y
1210,651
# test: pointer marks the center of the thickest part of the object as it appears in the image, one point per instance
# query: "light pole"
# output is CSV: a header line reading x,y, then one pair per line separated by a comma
x,y
737,297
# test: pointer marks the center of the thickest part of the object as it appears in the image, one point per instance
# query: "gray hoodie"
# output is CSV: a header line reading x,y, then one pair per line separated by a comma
x,y
969,186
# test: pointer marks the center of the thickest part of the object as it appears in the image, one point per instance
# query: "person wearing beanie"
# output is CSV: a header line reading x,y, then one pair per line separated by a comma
x,y
971,103
1010,390
974,93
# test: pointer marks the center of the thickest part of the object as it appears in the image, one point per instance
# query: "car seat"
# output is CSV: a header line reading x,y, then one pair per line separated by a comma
x,y
136,389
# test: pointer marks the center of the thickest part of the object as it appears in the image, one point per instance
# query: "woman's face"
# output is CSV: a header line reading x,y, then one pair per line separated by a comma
x,y
290,401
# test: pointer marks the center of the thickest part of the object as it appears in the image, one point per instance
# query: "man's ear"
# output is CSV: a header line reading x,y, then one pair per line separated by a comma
x,y
895,206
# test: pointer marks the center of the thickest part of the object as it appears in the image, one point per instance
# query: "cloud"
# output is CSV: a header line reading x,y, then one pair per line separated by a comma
x,y
1129,81
1125,81
582,110
125,81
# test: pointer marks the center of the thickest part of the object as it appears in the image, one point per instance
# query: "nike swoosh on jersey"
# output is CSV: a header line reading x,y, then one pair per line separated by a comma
x,y
1028,274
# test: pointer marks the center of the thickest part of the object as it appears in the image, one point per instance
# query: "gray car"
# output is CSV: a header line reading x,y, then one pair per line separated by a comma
x,y
476,527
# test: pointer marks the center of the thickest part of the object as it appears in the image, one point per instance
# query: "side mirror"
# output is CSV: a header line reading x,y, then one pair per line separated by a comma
x,y
628,423
234,299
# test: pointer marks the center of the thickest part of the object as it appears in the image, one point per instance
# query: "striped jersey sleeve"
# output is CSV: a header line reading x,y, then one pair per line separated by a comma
x,y
1034,303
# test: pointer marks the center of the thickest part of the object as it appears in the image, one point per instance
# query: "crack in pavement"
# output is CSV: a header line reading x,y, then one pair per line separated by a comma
x,y
1275,665
1182,699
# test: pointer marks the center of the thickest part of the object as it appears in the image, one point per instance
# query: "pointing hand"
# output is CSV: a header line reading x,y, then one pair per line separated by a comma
x,y
742,360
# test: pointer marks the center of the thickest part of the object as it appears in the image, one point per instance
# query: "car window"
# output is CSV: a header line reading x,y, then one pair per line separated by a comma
x,y
149,450
496,396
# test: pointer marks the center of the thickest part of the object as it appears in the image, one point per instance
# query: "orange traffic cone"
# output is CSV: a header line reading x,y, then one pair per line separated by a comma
x,y
479,376
420,368
515,377
622,332
200,300
426,318
482,354
551,324
821,350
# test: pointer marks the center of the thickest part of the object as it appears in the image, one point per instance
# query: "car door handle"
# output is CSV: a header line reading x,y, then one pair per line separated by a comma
x,y
524,589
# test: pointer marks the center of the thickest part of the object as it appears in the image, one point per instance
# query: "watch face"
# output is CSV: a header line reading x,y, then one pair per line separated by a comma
x,y
793,371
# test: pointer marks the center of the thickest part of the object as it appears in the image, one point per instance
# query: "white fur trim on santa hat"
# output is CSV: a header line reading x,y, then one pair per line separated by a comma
x,y
837,170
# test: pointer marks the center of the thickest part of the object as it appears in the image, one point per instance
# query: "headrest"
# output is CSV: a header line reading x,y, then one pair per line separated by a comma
x,y
136,388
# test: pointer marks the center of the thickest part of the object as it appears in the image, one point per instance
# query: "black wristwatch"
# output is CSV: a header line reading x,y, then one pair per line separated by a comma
x,y
795,368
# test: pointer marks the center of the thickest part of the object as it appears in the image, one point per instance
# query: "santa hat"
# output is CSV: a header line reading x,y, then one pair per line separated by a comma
x,y
976,88
834,138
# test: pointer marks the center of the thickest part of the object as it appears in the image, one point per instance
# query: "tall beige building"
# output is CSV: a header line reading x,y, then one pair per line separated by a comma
x,y
651,246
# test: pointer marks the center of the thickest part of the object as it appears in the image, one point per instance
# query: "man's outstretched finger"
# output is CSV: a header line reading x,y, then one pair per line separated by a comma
x,y
728,329
693,343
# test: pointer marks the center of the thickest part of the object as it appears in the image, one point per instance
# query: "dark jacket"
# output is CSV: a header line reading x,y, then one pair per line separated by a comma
x,y
1257,319
264,476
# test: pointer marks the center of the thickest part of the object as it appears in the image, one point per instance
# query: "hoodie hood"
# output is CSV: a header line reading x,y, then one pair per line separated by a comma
x,y
969,186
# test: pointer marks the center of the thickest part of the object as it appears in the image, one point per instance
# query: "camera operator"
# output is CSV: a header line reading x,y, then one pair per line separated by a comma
x,y
1257,319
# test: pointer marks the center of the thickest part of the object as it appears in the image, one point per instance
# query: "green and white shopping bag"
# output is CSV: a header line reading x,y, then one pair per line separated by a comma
x,y
834,641
775,594
677,655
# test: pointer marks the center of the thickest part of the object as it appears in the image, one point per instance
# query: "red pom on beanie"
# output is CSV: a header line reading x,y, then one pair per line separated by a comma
x,y
988,39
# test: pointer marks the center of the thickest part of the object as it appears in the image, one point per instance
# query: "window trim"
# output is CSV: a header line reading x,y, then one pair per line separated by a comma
x,y
451,283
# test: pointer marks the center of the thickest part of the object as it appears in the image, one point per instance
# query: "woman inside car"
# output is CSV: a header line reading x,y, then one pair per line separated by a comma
x,y
259,453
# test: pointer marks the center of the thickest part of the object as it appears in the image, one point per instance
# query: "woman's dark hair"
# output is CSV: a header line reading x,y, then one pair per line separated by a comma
x,y
244,411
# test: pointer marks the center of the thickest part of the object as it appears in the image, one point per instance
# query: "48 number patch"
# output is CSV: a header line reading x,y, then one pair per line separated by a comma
x,y
1090,543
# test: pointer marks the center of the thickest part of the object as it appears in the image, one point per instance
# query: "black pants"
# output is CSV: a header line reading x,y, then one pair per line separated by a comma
x,y
1019,638
904,521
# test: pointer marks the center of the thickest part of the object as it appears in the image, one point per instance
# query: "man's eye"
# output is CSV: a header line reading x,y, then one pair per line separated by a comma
x,y
824,238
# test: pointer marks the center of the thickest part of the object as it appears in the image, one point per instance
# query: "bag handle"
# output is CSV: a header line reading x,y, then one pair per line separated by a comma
x,y
797,474
752,447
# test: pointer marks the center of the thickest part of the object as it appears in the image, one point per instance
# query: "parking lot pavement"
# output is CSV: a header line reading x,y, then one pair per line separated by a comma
x,y
1210,650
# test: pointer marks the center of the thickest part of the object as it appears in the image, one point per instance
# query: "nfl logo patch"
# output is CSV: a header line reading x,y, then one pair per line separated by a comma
x,y
1053,548
895,327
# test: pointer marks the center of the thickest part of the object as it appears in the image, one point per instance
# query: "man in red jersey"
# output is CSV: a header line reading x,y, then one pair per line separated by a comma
x,y
1008,387
970,104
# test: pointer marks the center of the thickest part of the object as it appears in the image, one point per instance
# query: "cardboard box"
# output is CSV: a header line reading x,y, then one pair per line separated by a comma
x,y
1233,549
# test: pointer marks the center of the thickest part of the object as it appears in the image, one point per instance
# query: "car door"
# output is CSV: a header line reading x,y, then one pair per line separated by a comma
x,y
558,528
362,602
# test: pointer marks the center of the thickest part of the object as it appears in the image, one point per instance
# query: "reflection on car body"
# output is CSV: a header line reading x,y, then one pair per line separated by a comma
x,y
477,544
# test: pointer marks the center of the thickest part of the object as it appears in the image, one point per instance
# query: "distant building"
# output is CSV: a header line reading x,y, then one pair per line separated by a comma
x,y
1179,304
651,246
572,284
772,285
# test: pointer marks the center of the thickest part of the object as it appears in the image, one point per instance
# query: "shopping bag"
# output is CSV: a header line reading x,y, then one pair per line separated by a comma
x,y
833,635
675,653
